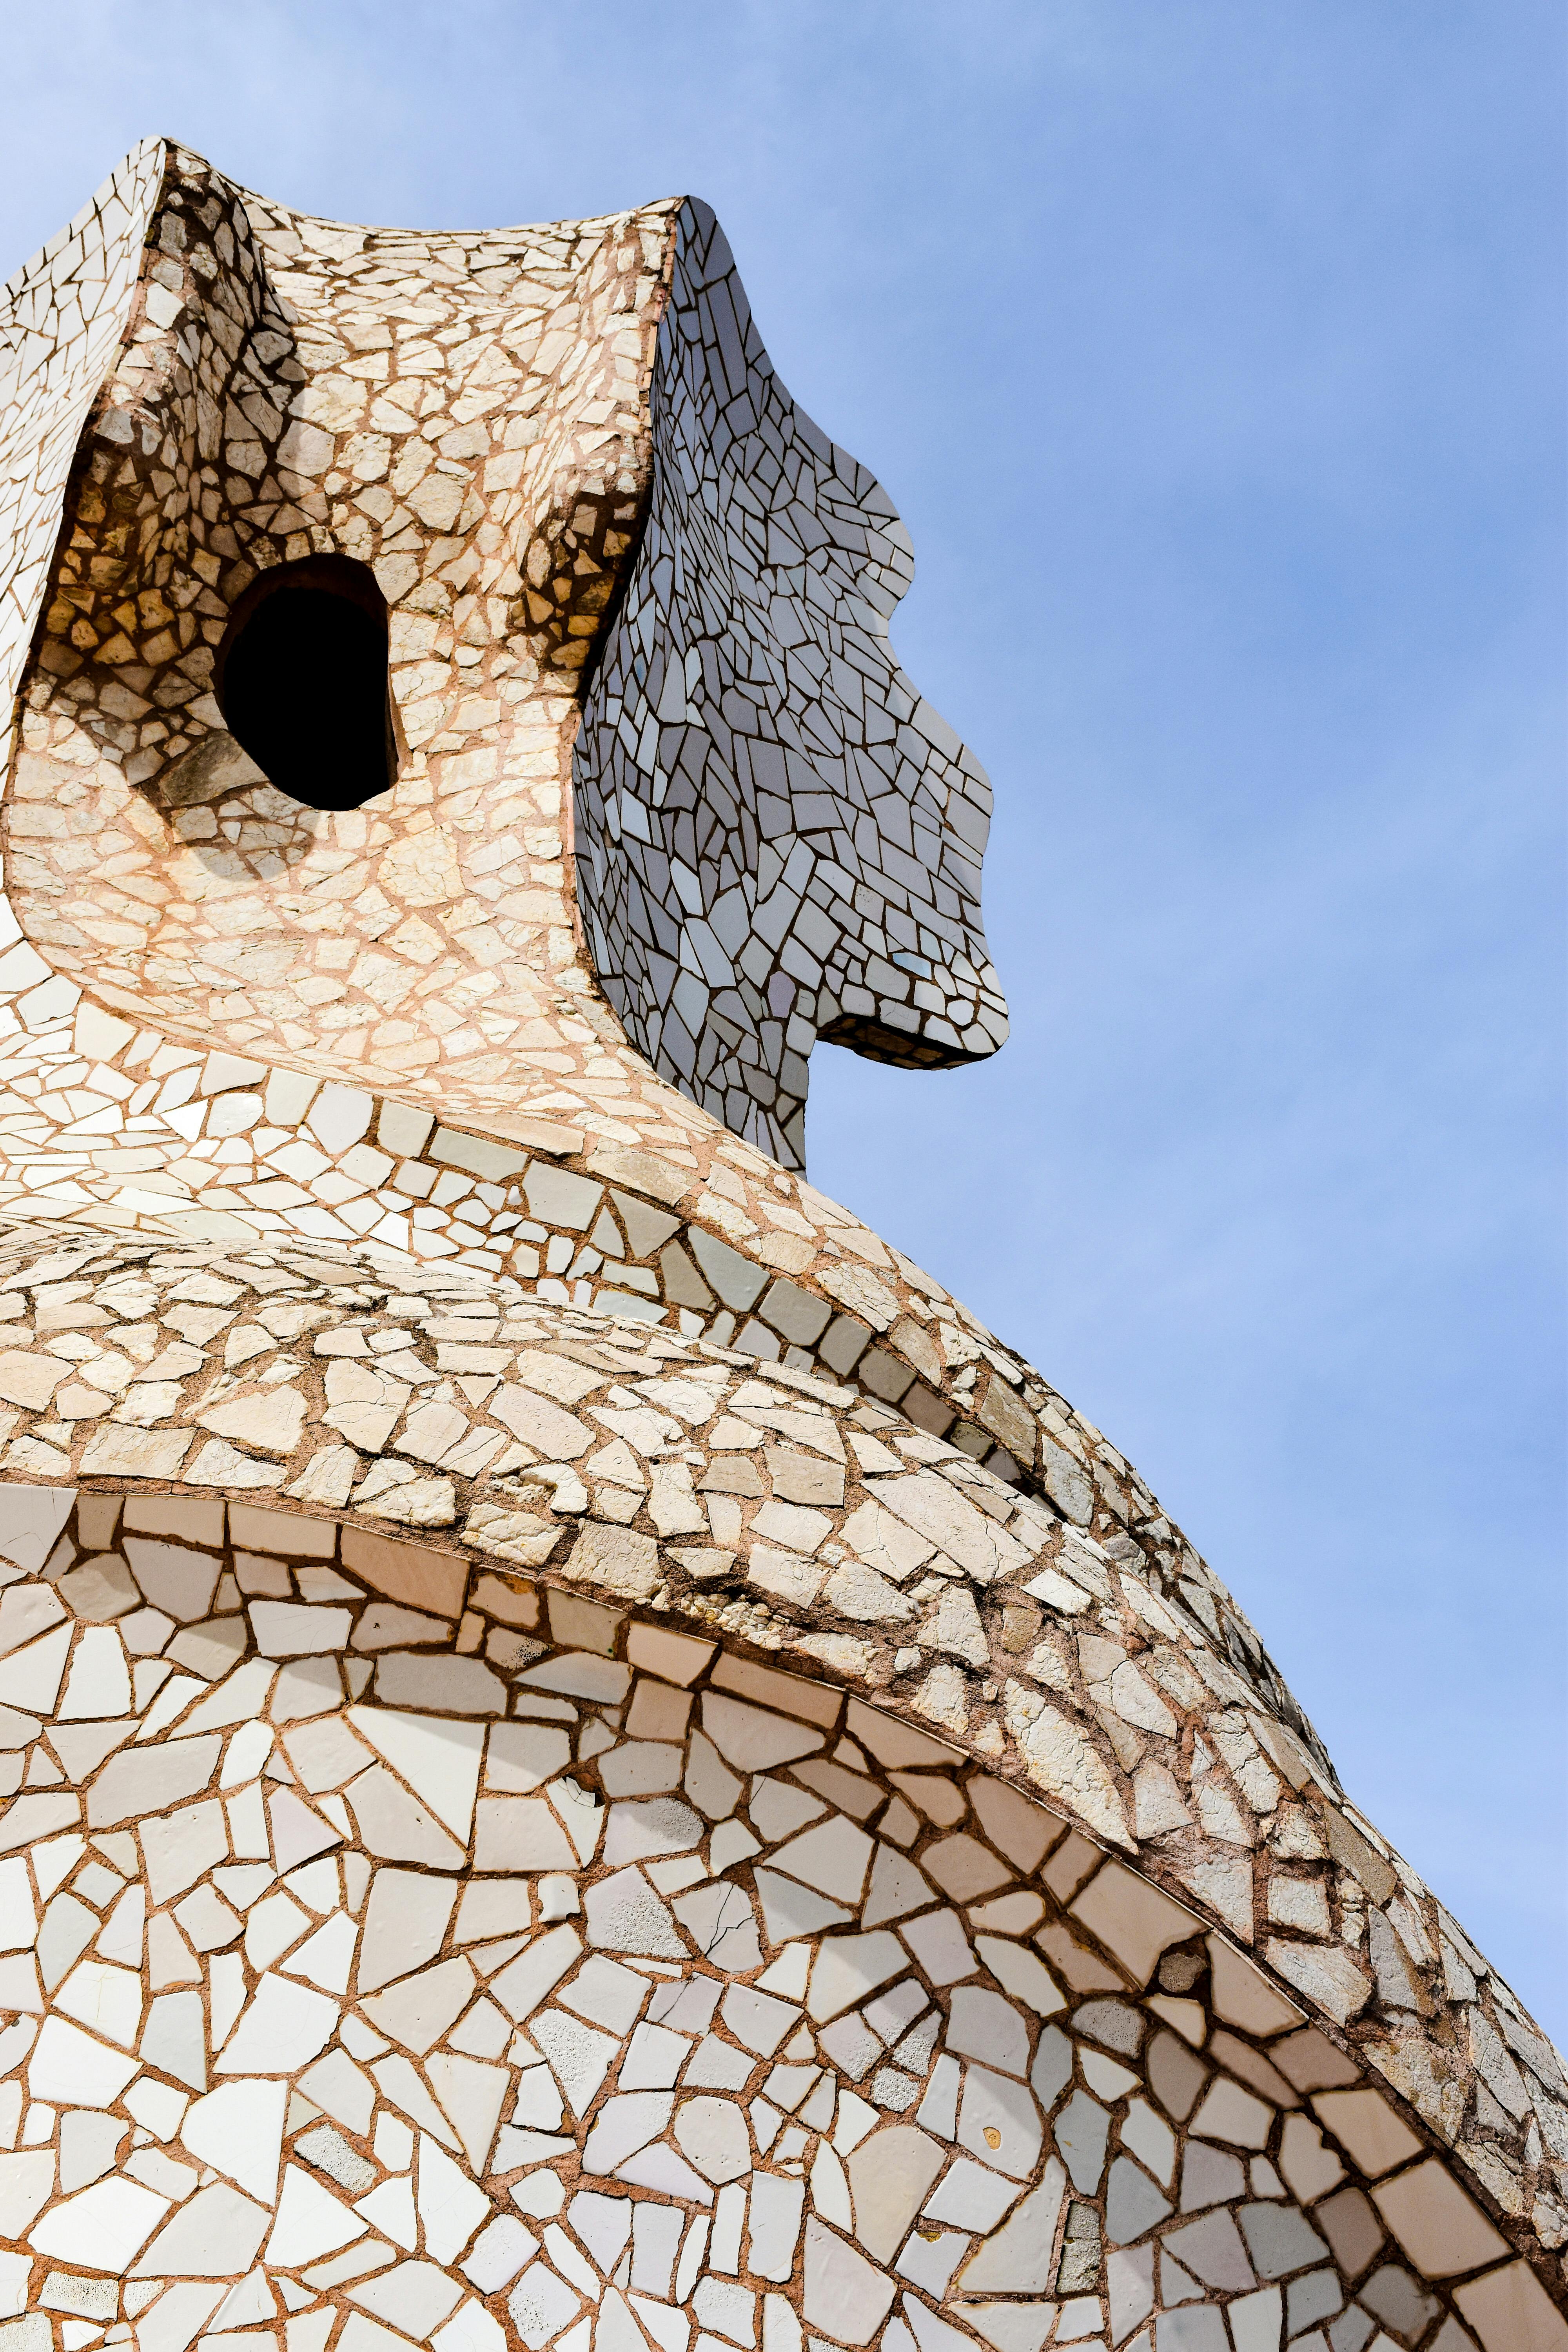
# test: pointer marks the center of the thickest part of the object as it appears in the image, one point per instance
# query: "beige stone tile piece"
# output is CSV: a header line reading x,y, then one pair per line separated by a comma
x,y
1368,2130
1242,1995
30,1380
1312,2063
750,1738
1022,1974
238,2129
409,1574
963,1868
1310,2169
394,1826
833,1857
1025,1833
185,1519
283,2027
657,1711
767,1686
1441,2229
1252,2067
1131,1917
171,1577
106,2224
1234,2115
291,1533
419,2008
311,2221
1511,2312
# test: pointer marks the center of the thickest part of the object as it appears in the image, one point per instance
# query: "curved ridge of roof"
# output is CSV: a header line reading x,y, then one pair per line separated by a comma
x,y
1220,1805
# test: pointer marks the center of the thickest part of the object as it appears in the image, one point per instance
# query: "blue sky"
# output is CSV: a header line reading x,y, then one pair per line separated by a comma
x,y
1213,354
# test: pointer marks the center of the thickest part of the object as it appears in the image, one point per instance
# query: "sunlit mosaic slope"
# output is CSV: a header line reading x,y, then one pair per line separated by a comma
x,y
591,1761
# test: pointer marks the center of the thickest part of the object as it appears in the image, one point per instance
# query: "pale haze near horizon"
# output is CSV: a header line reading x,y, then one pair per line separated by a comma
x,y
1212,354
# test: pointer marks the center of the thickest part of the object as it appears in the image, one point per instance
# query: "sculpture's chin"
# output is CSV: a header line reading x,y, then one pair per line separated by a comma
x,y
876,1042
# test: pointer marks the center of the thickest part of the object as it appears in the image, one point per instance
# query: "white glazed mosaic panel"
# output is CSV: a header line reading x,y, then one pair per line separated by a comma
x,y
579,1980
744,1503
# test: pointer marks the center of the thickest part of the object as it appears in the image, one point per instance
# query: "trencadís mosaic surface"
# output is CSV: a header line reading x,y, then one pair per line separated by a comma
x,y
589,1761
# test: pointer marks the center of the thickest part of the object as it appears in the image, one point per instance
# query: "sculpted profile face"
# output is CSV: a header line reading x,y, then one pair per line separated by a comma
x,y
778,840
587,1761
630,603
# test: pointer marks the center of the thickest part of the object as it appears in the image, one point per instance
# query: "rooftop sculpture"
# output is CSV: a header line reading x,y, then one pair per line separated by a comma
x,y
592,1761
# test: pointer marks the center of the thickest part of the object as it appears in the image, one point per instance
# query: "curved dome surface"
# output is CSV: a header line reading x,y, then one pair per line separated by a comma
x,y
591,1759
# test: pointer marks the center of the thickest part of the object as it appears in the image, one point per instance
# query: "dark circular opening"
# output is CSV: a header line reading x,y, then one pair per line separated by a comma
x,y
303,682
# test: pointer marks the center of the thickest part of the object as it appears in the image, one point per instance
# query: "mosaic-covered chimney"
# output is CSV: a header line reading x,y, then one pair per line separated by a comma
x,y
587,1760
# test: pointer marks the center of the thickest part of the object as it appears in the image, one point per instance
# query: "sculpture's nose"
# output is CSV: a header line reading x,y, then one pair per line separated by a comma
x,y
912,979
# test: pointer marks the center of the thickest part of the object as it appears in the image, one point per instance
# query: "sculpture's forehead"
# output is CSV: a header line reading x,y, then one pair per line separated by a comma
x,y
464,325
496,282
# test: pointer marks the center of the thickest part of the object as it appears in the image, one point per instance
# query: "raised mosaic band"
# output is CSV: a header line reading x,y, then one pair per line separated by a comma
x,y
107,1123
588,1760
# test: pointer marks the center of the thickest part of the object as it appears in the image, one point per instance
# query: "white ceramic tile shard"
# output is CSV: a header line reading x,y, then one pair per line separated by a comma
x,y
584,1754
283,2027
